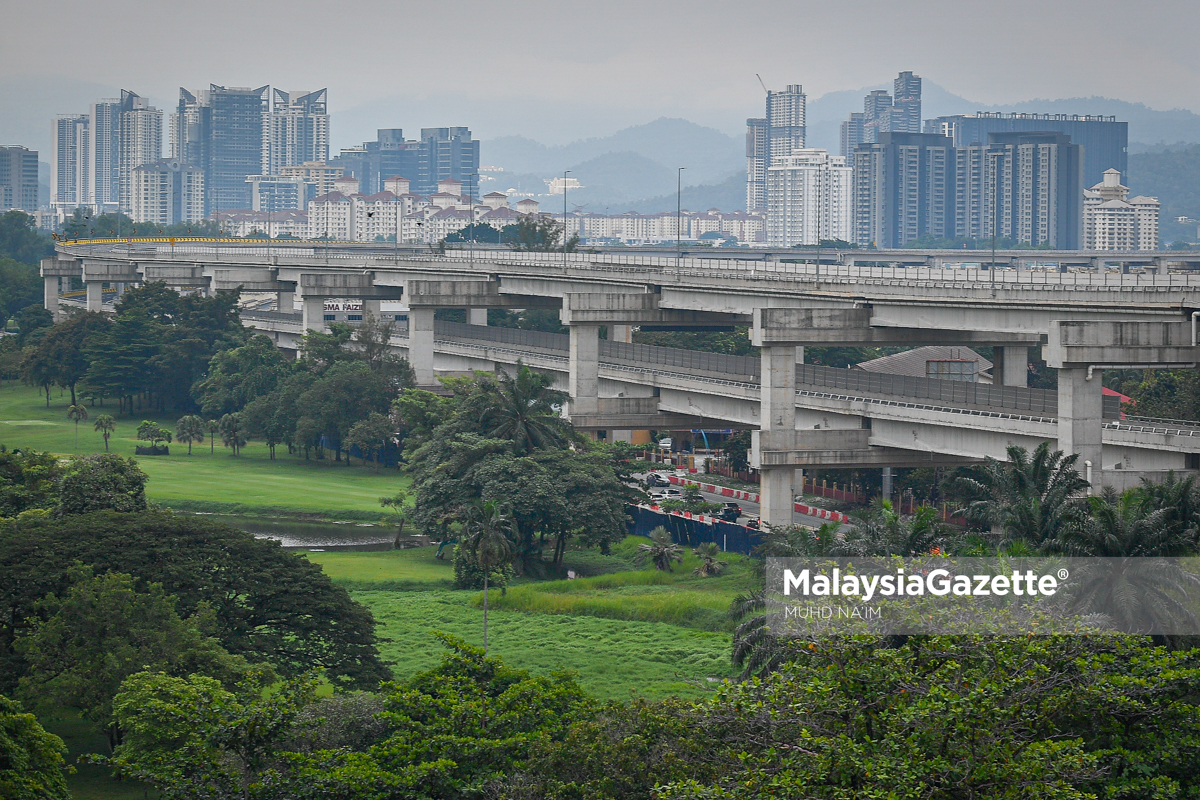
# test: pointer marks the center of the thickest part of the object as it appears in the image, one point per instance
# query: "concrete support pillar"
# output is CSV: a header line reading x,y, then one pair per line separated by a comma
x,y
371,307
477,316
420,345
625,436
585,369
886,483
313,314
777,417
1010,366
800,354
1080,406
286,301
95,295
620,333
51,299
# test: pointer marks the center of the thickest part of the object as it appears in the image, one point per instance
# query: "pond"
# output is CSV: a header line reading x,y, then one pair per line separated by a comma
x,y
302,534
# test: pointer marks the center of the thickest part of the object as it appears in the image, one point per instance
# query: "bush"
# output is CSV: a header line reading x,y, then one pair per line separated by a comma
x,y
469,575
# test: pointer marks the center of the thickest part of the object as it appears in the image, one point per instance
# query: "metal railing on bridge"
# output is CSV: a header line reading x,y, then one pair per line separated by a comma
x,y
1043,402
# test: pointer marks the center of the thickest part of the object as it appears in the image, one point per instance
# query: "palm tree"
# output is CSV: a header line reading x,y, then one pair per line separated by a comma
x,y
882,531
486,530
189,429
757,649
709,566
1180,498
1026,498
105,425
524,410
1134,579
78,414
233,432
213,426
661,551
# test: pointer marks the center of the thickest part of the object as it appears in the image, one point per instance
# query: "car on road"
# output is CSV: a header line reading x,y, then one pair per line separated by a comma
x,y
730,512
753,522
667,494
656,479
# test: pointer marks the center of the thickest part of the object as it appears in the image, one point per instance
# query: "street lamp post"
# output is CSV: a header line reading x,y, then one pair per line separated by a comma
x,y
995,213
566,172
678,219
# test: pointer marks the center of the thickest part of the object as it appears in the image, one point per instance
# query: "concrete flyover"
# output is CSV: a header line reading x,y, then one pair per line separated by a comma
x,y
1087,321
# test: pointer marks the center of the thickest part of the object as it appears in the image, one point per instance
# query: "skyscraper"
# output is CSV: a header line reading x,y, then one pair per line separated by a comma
x,y
139,138
297,130
899,112
220,130
18,178
808,198
1105,141
167,191
439,154
70,167
1025,186
906,104
757,162
777,134
105,125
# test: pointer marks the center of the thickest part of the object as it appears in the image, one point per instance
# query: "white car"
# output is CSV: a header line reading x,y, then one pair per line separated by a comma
x,y
667,494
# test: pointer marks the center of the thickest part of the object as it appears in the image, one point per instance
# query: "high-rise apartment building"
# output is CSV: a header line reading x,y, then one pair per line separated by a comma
x,y
757,161
18,178
139,141
297,130
167,191
280,192
902,186
1105,141
1112,220
777,134
906,104
808,199
1025,186
70,167
105,128
320,174
440,154
899,112
220,130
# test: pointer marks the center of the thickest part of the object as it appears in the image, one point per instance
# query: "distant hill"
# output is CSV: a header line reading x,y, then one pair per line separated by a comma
x,y
727,195
706,152
1173,176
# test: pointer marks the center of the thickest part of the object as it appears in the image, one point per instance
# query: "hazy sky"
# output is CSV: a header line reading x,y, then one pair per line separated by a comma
x,y
568,68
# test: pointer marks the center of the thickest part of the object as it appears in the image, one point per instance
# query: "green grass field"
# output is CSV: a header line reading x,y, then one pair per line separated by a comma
x,y
210,479
653,633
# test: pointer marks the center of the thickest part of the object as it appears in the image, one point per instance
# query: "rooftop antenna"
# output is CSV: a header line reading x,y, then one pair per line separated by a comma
x,y
760,80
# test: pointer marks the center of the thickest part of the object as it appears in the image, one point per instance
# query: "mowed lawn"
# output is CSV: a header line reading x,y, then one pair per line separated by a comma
x,y
211,478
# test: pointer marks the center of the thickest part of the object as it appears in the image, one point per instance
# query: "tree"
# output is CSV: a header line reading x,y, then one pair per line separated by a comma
x,y
233,432
104,481
539,233
77,414
522,409
213,426
883,531
347,391
397,503
153,433
31,760
486,531
659,551
21,240
370,436
105,425
191,737
710,566
190,429
64,346
103,630
28,480
269,605
240,375
1030,499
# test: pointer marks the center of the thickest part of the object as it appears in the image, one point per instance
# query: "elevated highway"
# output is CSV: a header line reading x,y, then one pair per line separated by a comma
x,y
803,415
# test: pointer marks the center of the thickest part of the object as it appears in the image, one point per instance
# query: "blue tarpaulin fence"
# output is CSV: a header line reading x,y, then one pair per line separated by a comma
x,y
729,537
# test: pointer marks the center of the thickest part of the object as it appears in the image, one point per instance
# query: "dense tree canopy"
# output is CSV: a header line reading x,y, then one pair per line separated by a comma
x,y
269,605
31,760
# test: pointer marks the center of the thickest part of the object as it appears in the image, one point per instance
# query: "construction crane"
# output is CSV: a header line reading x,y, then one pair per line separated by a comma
x,y
760,80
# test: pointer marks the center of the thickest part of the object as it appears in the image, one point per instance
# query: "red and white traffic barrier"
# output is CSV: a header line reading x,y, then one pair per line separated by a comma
x,y
737,494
